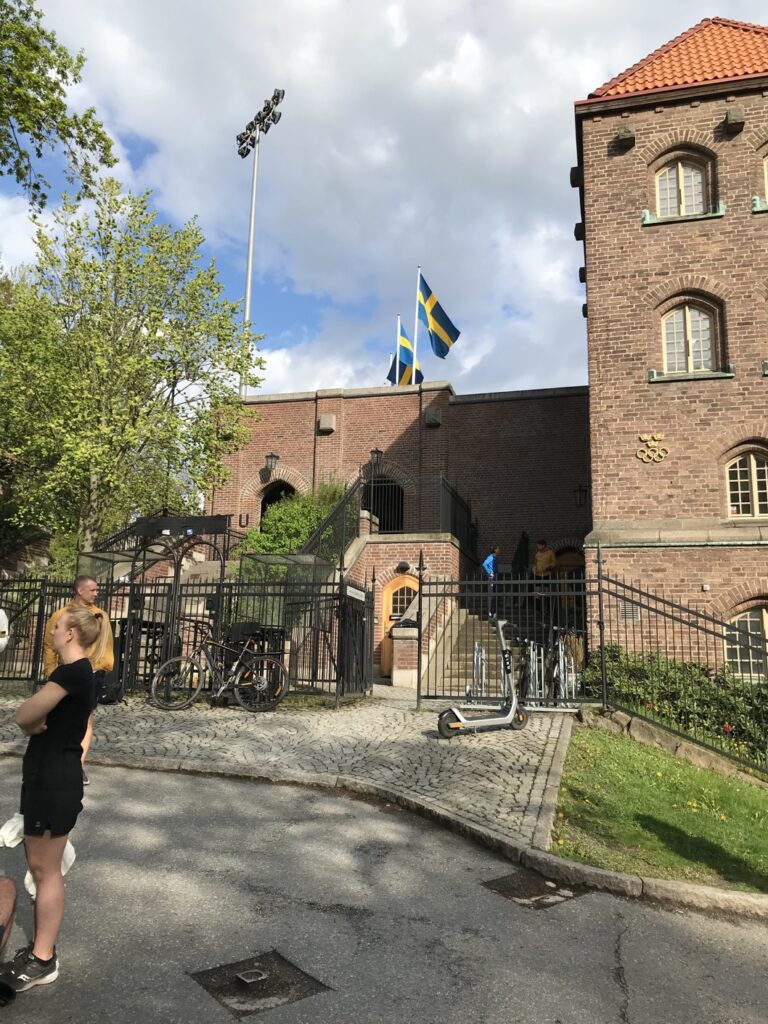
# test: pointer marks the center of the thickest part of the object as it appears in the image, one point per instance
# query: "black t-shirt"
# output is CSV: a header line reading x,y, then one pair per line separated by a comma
x,y
52,759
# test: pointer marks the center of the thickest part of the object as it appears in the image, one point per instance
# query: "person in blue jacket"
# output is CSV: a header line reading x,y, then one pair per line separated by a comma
x,y
491,573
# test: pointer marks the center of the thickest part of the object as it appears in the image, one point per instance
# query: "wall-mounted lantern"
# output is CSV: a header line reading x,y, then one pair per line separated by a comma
x,y
272,460
376,456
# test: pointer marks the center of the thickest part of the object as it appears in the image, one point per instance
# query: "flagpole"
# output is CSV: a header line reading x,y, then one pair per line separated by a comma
x,y
416,321
397,350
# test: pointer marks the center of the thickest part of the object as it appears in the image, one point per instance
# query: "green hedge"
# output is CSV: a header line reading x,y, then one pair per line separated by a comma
x,y
718,708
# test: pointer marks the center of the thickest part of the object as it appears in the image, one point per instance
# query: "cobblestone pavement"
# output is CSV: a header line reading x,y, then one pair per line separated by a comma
x,y
494,780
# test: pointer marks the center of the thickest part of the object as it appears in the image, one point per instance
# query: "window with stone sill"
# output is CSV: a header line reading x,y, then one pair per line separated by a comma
x,y
689,340
682,189
747,477
746,643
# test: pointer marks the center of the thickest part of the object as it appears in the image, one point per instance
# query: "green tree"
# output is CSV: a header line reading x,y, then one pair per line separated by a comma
x,y
36,72
289,522
119,369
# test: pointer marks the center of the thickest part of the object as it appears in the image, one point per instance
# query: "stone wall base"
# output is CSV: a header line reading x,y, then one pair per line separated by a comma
x,y
641,731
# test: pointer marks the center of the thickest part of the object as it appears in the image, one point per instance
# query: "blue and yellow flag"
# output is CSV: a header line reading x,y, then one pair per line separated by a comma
x,y
405,354
442,333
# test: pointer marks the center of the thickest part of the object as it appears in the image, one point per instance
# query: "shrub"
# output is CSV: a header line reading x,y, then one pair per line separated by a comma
x,y
719,708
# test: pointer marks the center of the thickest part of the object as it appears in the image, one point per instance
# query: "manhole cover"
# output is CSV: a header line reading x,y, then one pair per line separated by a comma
x,y
529,889
261,983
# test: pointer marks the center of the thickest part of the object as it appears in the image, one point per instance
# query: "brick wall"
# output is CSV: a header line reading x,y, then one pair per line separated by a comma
x,y
518,457
721,581
635,274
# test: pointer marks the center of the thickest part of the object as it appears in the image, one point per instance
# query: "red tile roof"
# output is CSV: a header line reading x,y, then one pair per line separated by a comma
x,y
715,50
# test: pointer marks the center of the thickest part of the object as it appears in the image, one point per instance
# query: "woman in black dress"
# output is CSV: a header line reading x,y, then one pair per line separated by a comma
x,y
55,719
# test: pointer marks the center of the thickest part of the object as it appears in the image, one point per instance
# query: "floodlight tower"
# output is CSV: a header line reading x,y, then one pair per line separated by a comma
x,y
248,140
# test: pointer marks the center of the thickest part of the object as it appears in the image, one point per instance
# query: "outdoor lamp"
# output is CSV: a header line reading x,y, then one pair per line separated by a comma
x,y
376,454
272,462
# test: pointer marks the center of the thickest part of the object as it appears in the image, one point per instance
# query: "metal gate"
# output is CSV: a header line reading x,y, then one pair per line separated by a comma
x,y
355,673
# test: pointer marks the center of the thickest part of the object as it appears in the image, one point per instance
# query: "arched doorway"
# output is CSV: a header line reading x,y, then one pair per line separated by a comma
x,y
395,599
383,498
570,564
275,492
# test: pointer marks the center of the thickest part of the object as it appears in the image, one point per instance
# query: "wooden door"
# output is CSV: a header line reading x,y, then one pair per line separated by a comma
x,y
395,599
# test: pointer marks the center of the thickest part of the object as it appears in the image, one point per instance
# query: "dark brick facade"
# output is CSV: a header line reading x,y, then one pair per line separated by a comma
x,y
667,522
517,457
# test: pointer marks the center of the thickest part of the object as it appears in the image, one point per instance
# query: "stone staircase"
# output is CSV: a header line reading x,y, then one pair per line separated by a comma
x,y
456,653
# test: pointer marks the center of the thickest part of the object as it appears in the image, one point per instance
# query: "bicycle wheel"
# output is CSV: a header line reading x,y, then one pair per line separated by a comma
x,y
260,684
177,683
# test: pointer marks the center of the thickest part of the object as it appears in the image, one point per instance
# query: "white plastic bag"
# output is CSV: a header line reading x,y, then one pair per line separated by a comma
x,y
12,833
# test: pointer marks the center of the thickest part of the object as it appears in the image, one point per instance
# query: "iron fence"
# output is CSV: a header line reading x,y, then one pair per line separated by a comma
x,y
321,630
456,518
600,640
545,623
684,669
434,505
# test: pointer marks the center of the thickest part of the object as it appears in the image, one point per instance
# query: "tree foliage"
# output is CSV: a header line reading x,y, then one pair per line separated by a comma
x,y
289,522
119,368
36,72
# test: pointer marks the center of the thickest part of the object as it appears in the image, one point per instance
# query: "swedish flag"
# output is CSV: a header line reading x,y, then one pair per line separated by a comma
x,y
404,357
442,333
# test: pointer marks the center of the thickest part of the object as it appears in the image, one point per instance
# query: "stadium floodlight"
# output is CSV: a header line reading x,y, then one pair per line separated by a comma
x,y
248,140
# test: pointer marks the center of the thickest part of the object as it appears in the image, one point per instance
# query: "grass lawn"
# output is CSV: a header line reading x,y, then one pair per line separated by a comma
x,y
627,807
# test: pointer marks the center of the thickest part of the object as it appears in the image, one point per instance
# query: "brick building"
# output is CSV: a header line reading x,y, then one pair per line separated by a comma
x,y
672,436
673,174
519,459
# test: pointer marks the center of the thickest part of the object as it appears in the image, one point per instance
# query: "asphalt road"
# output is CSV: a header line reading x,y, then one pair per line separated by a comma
x,y
179,874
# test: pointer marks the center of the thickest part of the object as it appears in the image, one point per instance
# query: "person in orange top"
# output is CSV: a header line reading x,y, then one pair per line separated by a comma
x,y
544,561
86,590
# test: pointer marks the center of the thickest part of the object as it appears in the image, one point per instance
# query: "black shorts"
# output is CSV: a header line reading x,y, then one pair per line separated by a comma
x,y
53,811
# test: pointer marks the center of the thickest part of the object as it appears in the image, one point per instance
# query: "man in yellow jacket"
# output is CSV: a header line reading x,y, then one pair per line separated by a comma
x,y
86,590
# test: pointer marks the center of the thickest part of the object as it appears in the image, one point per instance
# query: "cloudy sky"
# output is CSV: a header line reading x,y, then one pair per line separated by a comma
x,y
437,132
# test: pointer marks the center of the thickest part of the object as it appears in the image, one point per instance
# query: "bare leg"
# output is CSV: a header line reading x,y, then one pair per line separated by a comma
x,y
44,855
86,744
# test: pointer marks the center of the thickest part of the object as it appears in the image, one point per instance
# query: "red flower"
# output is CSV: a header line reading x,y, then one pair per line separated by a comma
x,y
648,705
727,728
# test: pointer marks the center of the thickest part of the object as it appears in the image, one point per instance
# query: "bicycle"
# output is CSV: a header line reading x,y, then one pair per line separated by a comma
x,y
258,681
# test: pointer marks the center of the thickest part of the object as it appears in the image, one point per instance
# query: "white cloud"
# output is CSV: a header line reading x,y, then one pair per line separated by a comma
x,y
438,133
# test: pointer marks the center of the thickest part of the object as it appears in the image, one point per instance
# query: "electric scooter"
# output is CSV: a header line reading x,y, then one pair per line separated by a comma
x,y
510,713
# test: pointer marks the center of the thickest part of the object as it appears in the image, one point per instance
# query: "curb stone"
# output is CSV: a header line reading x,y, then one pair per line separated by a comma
x,y
542,833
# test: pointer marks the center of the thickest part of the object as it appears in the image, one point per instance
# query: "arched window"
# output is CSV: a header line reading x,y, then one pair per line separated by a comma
x,y
748,485
689,338
681,189
746,643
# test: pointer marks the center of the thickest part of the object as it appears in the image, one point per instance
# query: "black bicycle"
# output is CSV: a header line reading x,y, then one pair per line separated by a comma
x,y
258,681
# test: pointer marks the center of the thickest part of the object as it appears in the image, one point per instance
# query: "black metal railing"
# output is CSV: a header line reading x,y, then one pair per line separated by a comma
x,y
456,518
686,670
605,641
340,527
323,629
545,624
393,510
